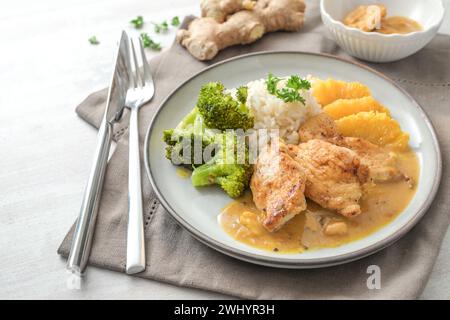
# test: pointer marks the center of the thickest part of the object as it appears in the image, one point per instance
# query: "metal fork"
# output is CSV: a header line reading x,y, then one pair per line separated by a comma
x,y
141,91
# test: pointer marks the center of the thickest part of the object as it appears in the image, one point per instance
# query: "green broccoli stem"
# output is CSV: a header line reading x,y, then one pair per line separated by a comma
x,y
187,120
208,173
172,136
232,178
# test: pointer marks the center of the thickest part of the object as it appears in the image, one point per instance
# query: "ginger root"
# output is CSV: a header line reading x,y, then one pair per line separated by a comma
x,y
220,9
226,23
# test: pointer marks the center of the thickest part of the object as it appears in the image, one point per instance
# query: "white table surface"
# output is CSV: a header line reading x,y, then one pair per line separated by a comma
x,y
47,67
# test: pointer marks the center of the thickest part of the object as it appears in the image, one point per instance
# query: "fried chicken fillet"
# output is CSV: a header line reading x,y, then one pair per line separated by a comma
x,y
333,175
381,163
278,185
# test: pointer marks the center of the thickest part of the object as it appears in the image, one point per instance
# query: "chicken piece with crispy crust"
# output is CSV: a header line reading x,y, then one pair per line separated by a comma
x,y
320,126
382,164
333,175
366,17
278,185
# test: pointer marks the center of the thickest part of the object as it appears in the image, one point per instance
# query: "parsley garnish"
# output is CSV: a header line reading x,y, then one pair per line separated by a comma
x,y
290,95
175,21
271,83
163,26
149,43
296,83
290,92
138,22
93,40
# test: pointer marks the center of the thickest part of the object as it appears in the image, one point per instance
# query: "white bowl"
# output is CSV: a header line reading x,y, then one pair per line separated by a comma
x,y
377,47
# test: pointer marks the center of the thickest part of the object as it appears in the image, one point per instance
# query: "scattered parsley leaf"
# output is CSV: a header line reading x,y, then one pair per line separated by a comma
x,y
93,40
163,26
149,43
175,21
138,22
290,92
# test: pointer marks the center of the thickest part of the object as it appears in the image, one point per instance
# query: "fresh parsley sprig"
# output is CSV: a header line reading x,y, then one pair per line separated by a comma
x,y
175,21
295,82
149,43
161,27
93,40
289,95
272,83
138,22
290,92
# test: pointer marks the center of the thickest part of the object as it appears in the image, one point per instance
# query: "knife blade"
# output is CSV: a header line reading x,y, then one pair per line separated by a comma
x,y
115,102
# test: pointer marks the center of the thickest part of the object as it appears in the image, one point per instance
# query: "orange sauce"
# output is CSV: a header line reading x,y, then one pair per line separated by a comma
x,y
373,18
401,25
380,204
183,173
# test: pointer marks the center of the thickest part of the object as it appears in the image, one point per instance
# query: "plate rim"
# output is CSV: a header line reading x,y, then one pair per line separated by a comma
x,y
298,263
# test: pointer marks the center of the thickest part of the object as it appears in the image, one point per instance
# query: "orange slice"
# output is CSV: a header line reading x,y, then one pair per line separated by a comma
x,y
328,91
345,107
375,127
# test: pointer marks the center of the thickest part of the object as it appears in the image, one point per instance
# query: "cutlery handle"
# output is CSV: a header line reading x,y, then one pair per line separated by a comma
x,y
135,232
84,230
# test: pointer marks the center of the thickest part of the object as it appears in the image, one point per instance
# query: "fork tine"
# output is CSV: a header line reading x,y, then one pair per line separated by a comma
x,y
145,66
138,79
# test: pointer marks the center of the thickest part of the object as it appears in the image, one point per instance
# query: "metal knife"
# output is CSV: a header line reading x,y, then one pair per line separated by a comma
x,y
82,238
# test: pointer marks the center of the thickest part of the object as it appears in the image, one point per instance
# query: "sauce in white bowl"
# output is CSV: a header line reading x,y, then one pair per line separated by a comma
x,y
378,47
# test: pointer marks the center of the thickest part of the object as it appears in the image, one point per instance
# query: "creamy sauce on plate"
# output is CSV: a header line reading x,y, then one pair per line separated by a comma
x,y
183,173
380,204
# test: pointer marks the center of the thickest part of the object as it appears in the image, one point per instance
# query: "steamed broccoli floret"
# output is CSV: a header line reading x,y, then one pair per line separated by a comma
x,y
189,132
186,125
233,178
221,111
215,112
242,93
224,170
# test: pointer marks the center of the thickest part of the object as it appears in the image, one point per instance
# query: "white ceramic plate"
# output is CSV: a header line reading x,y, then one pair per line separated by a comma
x,y
197,209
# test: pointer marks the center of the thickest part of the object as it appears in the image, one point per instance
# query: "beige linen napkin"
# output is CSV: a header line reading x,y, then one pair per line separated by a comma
x,y
175,257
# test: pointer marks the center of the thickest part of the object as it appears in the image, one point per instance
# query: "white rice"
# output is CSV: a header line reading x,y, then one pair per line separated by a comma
x,y
271,112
